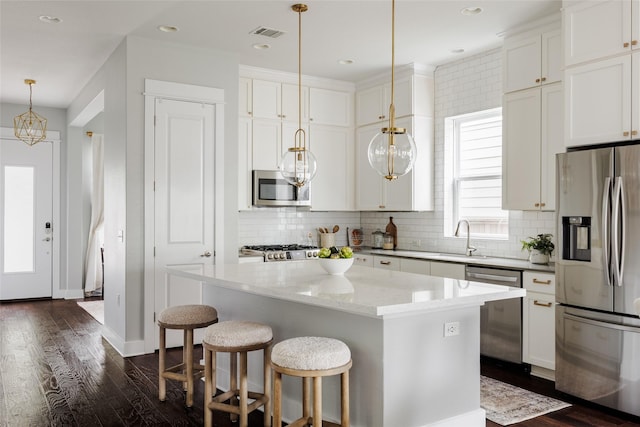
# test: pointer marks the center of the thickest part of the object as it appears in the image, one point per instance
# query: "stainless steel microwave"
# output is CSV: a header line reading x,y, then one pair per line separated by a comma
x,y
271,189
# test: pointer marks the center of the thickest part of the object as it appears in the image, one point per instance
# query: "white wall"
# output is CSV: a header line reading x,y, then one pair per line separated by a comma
x,y
122,79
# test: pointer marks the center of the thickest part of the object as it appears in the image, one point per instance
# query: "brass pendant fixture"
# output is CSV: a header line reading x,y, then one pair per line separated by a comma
x,y
30,127
298,165
392,152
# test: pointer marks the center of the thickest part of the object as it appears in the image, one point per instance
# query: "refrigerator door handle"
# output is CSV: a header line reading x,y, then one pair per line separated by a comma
x,y
601,323
606,192
619,217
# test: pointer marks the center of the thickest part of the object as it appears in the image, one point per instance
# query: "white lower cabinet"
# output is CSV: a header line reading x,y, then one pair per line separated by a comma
x,y
419,266
448,269
538,328
363,260
386,262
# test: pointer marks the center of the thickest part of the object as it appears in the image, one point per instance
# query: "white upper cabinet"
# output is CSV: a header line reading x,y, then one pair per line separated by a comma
x,y
372,104
411,192
268,121
245,99
333,186
596,29
330,107
599,97
278,101
602,97
532,61
533,122
532,136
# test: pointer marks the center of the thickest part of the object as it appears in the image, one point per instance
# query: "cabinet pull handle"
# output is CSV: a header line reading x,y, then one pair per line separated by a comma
x,y
542,282
634,132
544,79
542,205
537,205
385,262
625,133
537,80
626,44
250,113
381,206
542,304
634,42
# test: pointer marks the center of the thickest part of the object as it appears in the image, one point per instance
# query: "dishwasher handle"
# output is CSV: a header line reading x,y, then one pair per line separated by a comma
x,y
492,277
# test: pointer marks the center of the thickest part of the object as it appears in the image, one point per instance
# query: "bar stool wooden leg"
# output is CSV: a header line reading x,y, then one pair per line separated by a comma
x,y
233,381
208,386
317,401
162,355
267,386
277,399
344,420
188,355
306,398
243,390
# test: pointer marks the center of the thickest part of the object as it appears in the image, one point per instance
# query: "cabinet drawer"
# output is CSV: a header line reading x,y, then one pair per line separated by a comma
x,y
415,266
539,282
363,260
386,262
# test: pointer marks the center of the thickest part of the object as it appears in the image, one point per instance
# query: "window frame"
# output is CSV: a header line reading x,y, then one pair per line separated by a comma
x,y
454,180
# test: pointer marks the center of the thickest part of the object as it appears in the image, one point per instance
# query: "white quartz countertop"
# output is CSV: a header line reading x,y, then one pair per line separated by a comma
x,y
361,290
497,262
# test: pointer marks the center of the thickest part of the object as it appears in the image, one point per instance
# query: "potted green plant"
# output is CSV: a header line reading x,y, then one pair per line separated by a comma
x,y
540,248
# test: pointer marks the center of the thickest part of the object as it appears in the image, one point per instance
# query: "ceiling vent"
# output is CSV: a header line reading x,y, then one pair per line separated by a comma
x,y
267,32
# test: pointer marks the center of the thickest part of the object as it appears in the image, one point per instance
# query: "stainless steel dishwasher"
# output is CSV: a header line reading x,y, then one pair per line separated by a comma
x,y
500,321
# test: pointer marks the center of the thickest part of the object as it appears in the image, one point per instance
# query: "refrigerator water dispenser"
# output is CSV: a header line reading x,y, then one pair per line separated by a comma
x,y
576,238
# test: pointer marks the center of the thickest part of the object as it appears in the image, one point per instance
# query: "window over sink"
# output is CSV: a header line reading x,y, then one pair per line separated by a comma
x,y
473,174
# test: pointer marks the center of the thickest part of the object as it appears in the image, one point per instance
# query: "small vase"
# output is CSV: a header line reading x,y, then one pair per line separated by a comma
x,y
537,257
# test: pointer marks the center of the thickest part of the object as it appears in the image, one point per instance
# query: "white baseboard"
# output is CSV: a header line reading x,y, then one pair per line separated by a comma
x,y
125,348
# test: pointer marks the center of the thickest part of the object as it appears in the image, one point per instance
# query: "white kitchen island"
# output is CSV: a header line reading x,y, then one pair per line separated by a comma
x,y
405,371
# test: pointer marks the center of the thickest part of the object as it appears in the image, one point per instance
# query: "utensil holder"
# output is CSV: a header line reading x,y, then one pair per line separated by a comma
x,y
327,240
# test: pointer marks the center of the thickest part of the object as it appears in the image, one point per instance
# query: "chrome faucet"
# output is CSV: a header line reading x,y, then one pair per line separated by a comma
x,y
470,249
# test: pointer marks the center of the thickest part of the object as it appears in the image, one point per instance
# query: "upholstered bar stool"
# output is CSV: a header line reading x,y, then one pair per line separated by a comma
x,y
237,338
310,358
187,318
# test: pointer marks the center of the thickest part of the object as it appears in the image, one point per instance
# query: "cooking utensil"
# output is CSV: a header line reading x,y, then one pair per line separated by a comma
x,y
336,228
320,230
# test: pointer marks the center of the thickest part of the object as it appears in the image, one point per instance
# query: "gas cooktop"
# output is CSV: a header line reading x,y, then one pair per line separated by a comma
x,y
291,252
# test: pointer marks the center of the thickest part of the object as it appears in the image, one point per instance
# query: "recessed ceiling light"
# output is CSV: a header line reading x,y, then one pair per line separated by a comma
x,y
50,19
471,11
457,50
168,28
261,46
346,61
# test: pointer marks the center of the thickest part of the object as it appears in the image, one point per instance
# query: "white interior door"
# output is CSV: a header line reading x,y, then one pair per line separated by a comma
x,y
184,200
26,212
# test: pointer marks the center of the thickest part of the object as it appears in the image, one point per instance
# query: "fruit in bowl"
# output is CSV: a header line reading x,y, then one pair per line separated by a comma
x,y
334,260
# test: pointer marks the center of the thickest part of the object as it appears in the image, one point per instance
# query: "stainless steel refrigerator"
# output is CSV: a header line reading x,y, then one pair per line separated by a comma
x,y
598,276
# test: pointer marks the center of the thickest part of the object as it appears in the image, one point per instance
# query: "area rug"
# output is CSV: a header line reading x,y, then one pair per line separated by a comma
x,y
506,404
94,308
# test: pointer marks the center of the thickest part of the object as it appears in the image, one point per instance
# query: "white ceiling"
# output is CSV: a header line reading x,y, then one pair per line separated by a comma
x,y
62,57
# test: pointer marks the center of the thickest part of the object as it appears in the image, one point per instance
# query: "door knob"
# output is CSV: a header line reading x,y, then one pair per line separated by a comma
x,y
206,254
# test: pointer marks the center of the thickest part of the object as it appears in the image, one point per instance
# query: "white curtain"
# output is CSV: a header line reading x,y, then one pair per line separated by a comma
x,y
93,262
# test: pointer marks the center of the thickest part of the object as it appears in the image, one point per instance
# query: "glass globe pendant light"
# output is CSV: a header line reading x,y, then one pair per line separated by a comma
x,y
392,151
30,127
298,165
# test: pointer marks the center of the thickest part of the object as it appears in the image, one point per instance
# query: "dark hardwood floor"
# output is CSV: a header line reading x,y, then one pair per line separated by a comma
x,y
56,370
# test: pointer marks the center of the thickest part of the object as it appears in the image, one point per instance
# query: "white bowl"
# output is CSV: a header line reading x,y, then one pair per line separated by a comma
x,y
335,265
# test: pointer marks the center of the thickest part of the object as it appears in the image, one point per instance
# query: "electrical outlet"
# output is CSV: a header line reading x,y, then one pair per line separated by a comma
x,y
451,329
